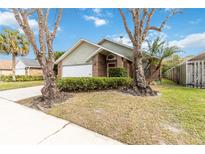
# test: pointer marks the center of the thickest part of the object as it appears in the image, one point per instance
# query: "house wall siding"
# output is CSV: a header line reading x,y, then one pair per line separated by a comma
x,y
80,54
34,71
5,72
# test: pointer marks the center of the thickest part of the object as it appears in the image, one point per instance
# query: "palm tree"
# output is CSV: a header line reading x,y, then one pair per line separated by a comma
x,y
12,42
161,49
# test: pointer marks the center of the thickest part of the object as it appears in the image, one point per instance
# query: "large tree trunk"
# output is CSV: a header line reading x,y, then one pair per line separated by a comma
x,y
50,91
140,87
139,77
13,67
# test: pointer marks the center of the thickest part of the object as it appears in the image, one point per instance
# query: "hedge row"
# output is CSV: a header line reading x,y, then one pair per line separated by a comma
x,y
21,78
92,83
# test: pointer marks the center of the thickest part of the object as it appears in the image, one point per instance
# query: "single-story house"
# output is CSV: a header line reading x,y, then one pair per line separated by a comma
x,y
5,67
190,72
26,66
87,59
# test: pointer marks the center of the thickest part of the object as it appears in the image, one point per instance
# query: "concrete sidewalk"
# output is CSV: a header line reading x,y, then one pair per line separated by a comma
x,y
21,93
23,125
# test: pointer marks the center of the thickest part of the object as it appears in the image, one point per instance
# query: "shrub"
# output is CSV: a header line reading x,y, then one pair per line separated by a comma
x,y
117,72
92,83
21,78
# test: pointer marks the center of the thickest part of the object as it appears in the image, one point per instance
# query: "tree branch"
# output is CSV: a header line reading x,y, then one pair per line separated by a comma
x,y
30,12
48,37
149,17
126,27
53,34
136,20
22,20
41,27
159,29
143,20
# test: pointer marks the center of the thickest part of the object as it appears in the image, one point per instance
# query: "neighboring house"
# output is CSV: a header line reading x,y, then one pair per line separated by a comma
x,y
190,72
87,59
26,66
5,67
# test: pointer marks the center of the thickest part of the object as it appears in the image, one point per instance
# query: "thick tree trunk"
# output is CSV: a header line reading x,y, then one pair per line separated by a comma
x,y
139,77
13,67
50,91
140,86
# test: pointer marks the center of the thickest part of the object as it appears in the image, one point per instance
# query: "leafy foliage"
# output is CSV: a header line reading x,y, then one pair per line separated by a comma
x,y
12,42
159,50
117,72
57,55
92,83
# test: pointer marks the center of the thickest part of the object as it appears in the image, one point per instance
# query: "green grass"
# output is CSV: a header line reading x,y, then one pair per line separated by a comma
x,y
15,85
177,116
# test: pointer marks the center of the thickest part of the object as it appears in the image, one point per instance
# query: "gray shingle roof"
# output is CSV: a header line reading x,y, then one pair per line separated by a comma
x,y
120,48
30,62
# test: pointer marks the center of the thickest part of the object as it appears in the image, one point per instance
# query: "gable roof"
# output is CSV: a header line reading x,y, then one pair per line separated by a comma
x,y
30,62
118,43
72,49
117,47
99,47
121,50
5,65
129,49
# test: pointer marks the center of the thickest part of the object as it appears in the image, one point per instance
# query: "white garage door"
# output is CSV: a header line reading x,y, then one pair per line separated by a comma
x,y
20,71
77,71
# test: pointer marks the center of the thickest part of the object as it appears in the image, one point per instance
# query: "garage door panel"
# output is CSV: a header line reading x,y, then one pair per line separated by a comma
x,y
77,71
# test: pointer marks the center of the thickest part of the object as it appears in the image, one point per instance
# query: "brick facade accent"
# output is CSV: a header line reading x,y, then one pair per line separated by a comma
x,y
119,61
99,65
128,66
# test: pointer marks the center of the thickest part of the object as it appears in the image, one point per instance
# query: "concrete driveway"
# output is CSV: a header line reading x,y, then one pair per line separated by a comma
x,y
23,125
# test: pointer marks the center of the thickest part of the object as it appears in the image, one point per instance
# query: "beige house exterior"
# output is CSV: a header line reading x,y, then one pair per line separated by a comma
x,y
26,66
87,59
5,67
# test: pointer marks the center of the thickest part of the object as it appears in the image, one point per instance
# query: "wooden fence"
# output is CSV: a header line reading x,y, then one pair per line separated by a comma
x,y
190,73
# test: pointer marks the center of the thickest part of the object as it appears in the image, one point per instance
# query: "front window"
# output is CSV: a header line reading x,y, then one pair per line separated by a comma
x,y
111,57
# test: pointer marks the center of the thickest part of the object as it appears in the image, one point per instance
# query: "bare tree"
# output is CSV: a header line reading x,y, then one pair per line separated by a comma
x,y
43,51
141,19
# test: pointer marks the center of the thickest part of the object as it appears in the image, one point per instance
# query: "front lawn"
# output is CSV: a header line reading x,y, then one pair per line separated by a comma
x,y
15,85
177,116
